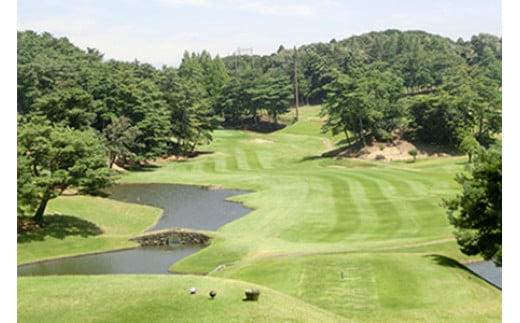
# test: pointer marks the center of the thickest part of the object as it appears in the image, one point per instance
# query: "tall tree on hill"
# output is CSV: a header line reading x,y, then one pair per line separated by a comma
x,y
368,105
473,98
190,112
231,102
152,123
338,106
318,72
120,139
141,101
68,104
437,119
271,93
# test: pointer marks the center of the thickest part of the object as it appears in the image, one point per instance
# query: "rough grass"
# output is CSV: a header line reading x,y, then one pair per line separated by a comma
x,y
379,223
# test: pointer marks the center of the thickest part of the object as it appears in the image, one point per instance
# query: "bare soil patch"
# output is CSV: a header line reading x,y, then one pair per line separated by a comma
x,y
397,150
261,141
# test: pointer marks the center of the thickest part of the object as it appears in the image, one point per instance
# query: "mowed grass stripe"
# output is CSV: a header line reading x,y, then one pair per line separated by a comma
x,y
384,196
403,204
241,158
209,165
312,210
265,159
252,158
221,164
380,196
231,163
358,206
338,210
418,204
353,208
197,166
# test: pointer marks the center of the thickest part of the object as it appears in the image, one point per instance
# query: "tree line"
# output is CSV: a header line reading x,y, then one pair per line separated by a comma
x,y
76,109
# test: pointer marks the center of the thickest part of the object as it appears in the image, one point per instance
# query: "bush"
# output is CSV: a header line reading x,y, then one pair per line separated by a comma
x,y
413,152
383,135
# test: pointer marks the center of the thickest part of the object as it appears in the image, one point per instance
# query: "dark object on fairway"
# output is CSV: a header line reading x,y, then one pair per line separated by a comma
x,y
212,294
252,294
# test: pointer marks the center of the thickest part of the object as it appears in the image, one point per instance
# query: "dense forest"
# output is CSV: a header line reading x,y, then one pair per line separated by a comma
x,y
379,85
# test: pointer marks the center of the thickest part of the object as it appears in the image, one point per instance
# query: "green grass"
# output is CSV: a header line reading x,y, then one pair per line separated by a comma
x,y
159,298
112,223
380,223
427,287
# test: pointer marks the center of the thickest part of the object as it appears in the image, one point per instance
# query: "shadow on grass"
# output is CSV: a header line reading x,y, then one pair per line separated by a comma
x,y
143,168
55,226
328,154
447,262
263,125
309,158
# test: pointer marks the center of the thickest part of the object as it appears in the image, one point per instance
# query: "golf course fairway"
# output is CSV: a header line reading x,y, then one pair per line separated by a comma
x,y
328,240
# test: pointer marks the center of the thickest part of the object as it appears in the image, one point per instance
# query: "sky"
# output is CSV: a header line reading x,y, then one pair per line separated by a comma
x,y
160,31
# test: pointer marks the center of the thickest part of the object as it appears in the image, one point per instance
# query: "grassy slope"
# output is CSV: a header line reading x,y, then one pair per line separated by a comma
x,y
306,204
117,221
389,287
156,298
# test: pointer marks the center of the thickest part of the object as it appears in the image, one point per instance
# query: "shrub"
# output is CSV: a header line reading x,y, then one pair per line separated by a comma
x,y
413,152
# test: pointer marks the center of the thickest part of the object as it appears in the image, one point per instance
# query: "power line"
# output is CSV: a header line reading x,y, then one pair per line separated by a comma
x,y
240,52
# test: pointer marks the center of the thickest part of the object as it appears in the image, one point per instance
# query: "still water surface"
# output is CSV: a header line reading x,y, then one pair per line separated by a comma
x,y
144,260
488,271
183,206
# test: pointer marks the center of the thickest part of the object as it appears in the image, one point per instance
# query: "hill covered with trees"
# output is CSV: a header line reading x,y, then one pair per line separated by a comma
x,y
374,86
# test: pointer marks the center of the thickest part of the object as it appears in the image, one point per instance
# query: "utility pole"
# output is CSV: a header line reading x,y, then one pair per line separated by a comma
x,y
236,63
296,92
250,50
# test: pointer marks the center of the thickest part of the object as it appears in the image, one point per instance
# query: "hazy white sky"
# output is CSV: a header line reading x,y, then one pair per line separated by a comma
x,y
159,31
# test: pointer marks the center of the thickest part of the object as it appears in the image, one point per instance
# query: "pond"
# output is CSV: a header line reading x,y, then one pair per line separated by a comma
x,y
143,260
488,271
183,206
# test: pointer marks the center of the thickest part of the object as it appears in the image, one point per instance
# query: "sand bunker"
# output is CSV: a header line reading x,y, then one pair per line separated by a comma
x,y
261,141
